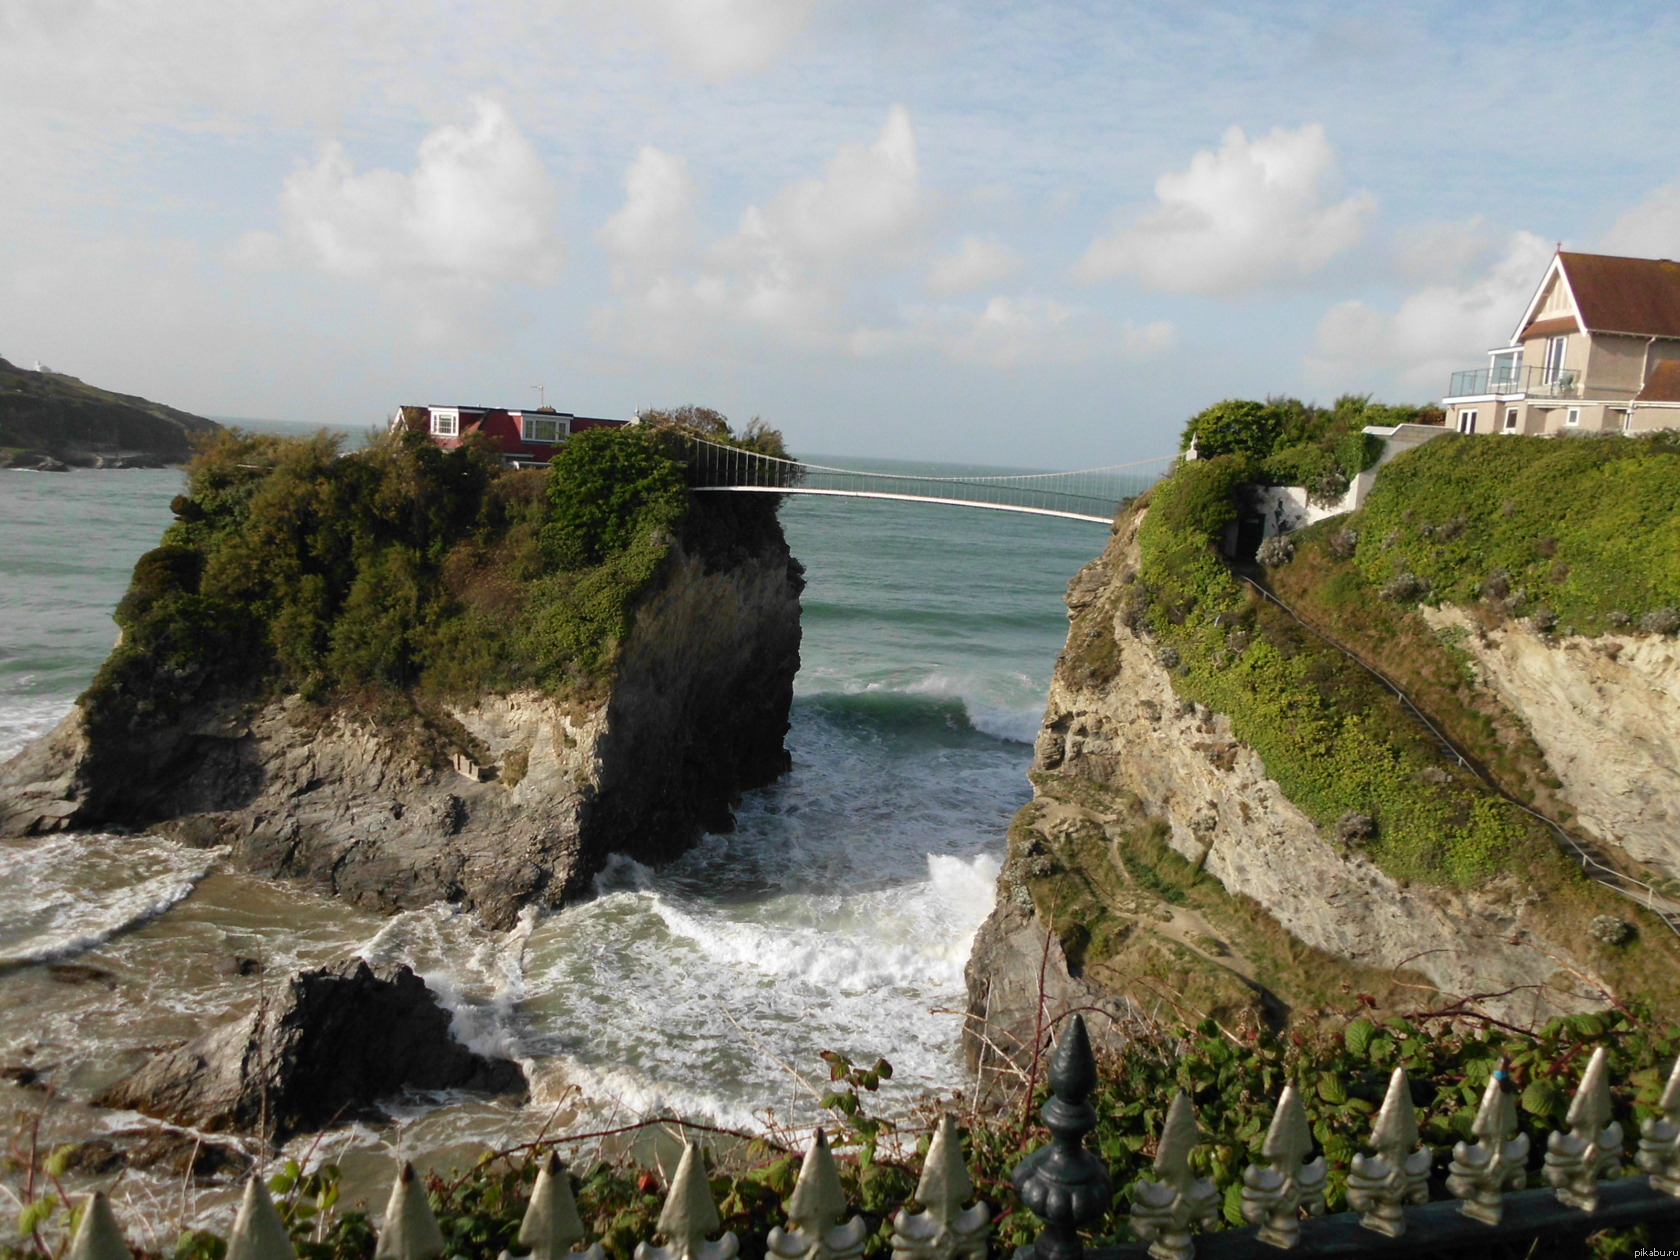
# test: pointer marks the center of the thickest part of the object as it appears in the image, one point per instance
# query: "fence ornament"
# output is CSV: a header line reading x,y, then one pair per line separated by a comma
x,y
1659,1139
689,1214
1496,1161
817,1229
944,1229
1063,1184
1163,1210
258,1233
1273,1197
1592,1149
410,1231
1380,1185
99,1237
551,1223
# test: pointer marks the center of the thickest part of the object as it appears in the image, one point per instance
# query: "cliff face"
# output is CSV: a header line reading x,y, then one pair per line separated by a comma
x,y
1162,871
1605,711
372,807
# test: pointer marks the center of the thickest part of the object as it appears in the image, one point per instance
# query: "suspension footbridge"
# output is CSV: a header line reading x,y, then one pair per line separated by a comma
x,y
1090,494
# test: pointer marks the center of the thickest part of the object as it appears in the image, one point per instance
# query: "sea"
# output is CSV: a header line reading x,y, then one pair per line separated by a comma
x,y
837,915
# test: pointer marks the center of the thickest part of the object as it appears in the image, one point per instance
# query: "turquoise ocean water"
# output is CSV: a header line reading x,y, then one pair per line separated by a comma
x,y
837,916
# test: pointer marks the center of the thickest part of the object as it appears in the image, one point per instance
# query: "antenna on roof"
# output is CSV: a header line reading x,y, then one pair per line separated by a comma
x,y
542,396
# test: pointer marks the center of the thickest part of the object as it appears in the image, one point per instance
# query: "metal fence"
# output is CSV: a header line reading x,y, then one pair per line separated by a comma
x,y
1588,1187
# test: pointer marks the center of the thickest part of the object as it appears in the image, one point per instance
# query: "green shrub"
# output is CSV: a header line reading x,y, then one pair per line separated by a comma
x,y
1237,426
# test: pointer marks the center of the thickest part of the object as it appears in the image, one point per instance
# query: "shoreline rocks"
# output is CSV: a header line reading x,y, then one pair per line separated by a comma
x,y
324,1047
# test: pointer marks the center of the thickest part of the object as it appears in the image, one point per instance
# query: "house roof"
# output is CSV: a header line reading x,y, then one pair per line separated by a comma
x,y
1663,384
1549,328
1625,295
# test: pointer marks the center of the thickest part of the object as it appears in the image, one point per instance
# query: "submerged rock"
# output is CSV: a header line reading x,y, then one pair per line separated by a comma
x,y
324,1048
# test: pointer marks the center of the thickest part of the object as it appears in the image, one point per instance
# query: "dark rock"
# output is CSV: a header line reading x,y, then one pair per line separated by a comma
x,y
80,973
324,1048
21,1075
182,1154
236,966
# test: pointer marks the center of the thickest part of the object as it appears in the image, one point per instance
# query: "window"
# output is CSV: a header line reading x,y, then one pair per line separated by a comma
x,y
1574,417
1467,421
1507,369
545,429
1554,358
1510,419
1627,420
446,423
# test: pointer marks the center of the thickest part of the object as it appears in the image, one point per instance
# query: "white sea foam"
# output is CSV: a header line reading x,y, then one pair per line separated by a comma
x,y
67,894
1008,707
23,718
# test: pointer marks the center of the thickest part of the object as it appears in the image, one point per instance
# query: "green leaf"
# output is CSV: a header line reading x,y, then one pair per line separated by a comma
x,y
1331,1088
1542,1099
58,1161
1233,1204
1358,1036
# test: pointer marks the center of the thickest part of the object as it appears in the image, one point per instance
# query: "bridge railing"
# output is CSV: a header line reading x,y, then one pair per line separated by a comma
x,y
1094,494
1483,1201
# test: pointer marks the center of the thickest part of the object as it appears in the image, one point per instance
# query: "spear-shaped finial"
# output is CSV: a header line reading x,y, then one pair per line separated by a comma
x,y
944,1229
689,1214
1273,1196
1481,1171
1380,1185
1164,1210
258,1233
1591,1151
815,1213
1659,1139
99,1237
1063,1184
551,1223
410,1231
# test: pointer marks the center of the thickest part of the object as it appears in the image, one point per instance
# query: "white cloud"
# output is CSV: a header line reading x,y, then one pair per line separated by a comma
x,y
1434,332
1252,215
1013,332
789,268
718,39
478,209
1447,251
1650,230
980,263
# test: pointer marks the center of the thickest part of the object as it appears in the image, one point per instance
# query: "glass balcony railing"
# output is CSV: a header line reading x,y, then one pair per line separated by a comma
x,y
1530,381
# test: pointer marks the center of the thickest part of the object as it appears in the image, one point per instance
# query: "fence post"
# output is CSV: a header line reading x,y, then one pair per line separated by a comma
x,y
944,1229
1063,1184
1164,1210
1380,1185
410,1231
1272,1197
689,1214
99,1237
1482,1171
1659,1139
1592,1149
551,1223
258,1233
815,1211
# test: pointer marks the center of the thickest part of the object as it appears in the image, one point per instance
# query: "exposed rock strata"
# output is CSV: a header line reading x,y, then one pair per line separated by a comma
x,y
375,810
1114,723
1606,713
326,1047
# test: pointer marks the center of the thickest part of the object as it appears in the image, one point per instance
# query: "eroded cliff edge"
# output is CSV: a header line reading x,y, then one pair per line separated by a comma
x,y
1231,818
655,712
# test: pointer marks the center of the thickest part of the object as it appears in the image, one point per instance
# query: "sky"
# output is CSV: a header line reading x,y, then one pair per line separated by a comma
x,y
1036,234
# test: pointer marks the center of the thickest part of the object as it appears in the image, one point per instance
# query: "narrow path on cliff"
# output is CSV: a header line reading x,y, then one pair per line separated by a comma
x,y
1619,881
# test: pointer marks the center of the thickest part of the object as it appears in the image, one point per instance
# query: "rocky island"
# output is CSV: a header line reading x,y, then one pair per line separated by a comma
x,y
408,675
53,422
1237,814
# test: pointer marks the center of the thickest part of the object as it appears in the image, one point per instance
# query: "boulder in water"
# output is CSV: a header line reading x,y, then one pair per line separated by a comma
x,y
324,1047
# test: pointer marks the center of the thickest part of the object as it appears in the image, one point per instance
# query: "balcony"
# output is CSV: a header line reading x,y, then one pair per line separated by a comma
x,y
1531,382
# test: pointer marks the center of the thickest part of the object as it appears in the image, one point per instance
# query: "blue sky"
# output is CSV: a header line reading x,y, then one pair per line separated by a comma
x,y
994,232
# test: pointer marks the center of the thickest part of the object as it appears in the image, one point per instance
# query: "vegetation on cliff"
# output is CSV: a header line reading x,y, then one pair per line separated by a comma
x,y
48,419
403,569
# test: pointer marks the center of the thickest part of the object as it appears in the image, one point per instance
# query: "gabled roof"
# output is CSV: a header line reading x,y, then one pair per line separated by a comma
x,y
1612,294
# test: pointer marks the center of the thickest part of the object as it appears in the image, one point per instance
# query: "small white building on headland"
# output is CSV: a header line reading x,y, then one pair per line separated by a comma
x,y
1597,350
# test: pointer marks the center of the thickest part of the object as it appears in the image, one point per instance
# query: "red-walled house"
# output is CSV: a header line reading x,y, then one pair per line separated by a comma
x,y
522,438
